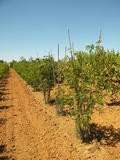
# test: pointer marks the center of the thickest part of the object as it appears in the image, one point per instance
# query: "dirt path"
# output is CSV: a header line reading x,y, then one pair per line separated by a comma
x,y
26,132
30,130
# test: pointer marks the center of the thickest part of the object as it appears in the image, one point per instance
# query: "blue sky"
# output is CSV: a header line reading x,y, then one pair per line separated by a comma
x,y
34,27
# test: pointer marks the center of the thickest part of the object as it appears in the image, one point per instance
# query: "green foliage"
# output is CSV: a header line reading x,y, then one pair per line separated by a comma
x,y
29,71
90,74
47,79
62,99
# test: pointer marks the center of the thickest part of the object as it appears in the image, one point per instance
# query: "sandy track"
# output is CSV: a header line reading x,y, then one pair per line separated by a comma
x,y
28,132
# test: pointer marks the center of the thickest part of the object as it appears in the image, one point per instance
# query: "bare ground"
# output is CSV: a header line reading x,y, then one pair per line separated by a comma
x,y
30,130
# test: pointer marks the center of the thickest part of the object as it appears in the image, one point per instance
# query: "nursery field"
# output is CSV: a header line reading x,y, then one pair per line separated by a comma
x,y
59,81
30,129
65,109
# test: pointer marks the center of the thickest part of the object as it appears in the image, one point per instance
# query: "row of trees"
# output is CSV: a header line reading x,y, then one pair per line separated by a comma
x,y
40,73
83,80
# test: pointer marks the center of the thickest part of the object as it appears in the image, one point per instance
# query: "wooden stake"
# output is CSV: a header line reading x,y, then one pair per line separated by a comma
x,y
70,48
58,65
53,70
70,44
100,35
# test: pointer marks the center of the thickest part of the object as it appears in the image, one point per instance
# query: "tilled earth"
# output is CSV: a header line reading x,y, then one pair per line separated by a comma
x,y
30,129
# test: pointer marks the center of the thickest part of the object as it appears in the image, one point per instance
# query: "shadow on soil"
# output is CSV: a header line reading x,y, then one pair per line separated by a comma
x,y
105,135
3,89
4,158
4,80
2,121
5,107
2,93
114,104
2,150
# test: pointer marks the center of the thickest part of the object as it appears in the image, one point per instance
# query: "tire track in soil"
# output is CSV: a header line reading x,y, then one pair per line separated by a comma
x,y
30,133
